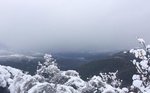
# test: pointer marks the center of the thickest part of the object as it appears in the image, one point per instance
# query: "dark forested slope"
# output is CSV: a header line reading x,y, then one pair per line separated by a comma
x,y
120,62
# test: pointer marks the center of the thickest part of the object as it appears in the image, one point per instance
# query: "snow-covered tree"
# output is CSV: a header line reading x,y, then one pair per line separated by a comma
x,y
141,80
49,68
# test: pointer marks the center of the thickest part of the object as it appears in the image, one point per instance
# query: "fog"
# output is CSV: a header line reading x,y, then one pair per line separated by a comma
x,y
73,25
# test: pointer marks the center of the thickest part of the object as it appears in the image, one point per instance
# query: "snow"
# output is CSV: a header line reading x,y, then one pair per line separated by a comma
x,y
139,53
3,81
141,82
96,80
16,56
148,69
137,83
66,89
42,88
125,52
134,61
144,64
125,90
136,77
48,57
141,40
6,75
70,73
108,91
76,82
148,46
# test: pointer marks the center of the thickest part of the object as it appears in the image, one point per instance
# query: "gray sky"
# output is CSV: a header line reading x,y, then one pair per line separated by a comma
x,y
96,25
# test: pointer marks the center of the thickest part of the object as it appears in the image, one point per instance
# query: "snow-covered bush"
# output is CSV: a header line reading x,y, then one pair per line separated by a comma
x,y
65,89
111,79
21,84
7,75
141,80
42,88
105,83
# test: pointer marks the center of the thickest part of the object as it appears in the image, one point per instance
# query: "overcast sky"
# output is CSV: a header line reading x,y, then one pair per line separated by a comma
x,y
65,25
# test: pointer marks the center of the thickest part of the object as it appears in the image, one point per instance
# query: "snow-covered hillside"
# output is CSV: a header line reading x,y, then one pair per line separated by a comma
x,y
50,79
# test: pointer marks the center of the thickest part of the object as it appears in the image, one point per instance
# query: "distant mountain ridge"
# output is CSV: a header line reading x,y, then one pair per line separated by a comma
x,y
65,61
87,64
120,62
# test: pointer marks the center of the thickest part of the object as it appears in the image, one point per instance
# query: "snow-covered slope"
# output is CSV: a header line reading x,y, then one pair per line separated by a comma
x,y
50,79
